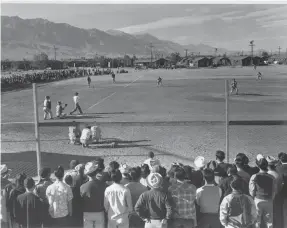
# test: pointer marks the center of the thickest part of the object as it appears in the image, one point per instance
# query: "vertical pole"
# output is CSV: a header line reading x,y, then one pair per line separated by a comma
x,y
227,119
37,135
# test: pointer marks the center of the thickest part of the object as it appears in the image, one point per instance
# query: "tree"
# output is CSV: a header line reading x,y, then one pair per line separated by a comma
x,y
175,57
41,57
265,55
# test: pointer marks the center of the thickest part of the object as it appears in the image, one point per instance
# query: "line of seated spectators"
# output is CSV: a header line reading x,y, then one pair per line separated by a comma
x,y
209,195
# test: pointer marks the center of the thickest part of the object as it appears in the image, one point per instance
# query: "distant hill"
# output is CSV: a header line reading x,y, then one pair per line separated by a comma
x,y
22,38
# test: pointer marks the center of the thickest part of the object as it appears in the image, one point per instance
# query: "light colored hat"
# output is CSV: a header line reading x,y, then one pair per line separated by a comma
x,y
271,160
91,167
4,169
124,169
79,167
259,157
154,180
199,162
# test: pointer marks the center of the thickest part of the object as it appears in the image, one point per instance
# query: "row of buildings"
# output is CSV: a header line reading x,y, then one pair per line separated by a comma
x,y
207,61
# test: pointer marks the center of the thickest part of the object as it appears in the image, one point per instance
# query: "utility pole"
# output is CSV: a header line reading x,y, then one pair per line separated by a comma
x,y
186,52
215,51
279,48
252,45
151,46
55,52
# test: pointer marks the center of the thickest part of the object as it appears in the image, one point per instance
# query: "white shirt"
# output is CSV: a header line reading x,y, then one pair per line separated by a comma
x,y
118,203
152,162
76,99
86,134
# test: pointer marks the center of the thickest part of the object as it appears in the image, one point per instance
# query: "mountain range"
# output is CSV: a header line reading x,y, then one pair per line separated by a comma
x,y
23,38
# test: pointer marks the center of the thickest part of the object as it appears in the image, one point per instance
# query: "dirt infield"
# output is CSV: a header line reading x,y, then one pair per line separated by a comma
x,y
186,95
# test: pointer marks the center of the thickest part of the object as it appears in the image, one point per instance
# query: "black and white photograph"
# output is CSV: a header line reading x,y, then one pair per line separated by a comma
x,y
143,114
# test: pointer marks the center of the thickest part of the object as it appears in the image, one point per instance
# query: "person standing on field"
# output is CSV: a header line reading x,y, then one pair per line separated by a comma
x,y
89,81
47,108
77,105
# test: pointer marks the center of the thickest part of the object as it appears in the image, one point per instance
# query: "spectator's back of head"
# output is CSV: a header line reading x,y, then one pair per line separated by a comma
x,y
237,184
179,174
261,162
151,154
74,163
114,166
59,172
145,171
19,180
116,176
69,180
243,157
283,158
220,155
208,175
29,183
45,173
232,170
135,174
188,172
159,169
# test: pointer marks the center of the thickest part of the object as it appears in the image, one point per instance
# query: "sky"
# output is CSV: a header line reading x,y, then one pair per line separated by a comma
x,y
218,25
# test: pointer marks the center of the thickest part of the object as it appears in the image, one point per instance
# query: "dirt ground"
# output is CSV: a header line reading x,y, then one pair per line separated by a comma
x,y
186,96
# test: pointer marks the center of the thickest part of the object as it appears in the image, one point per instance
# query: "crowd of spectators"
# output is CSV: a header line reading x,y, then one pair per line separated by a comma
x,y
19,79
211,194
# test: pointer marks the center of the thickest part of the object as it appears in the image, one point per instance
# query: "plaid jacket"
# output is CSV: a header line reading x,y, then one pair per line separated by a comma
x,y
184,196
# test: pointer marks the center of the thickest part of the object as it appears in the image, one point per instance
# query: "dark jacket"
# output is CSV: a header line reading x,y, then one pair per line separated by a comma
x,y
93,194
29,206
12,199
282,171
226,189
154,204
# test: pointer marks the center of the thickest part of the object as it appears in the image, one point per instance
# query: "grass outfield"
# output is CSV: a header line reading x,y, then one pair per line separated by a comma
x,y
186,95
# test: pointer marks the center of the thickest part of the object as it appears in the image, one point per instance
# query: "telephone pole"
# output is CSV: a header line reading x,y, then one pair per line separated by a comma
x,y
151,46
279,48
55,52
215,51
186,52
252,45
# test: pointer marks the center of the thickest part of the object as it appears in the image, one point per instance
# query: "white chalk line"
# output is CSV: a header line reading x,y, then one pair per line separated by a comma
x,y
17,123
113,93
7,123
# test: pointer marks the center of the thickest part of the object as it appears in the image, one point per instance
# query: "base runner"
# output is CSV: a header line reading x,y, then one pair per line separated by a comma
x,y
113,77
77,105
89,81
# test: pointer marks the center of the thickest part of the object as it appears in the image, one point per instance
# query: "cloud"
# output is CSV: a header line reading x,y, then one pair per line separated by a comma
x,y
174,21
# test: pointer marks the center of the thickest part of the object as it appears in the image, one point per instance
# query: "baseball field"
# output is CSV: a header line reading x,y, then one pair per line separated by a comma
x,y
180,120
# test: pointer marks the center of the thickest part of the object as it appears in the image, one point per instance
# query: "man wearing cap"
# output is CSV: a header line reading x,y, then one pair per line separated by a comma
x,y
183,195
47,108
155,205
118,202
151,161
197,176
93,193
125,170
208,199
29,208
282,171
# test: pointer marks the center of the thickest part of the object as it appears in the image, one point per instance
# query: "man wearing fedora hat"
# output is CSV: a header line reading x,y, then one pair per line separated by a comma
x,y
154,206
93,193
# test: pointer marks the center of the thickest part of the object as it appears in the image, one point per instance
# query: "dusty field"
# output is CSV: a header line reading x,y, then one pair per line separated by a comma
x,y
186,95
